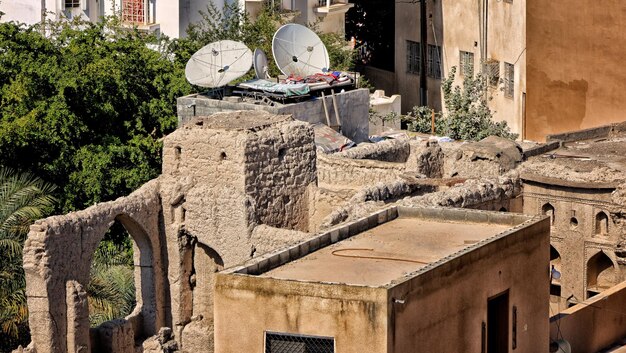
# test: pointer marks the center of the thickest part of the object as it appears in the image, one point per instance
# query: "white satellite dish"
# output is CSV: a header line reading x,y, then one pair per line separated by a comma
x,y
218,63
299,51
261,67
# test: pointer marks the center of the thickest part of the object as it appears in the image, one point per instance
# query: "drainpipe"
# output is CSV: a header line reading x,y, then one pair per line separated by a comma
x,y
43,17
424,49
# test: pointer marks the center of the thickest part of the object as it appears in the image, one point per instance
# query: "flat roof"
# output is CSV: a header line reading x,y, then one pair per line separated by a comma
x,y
387,252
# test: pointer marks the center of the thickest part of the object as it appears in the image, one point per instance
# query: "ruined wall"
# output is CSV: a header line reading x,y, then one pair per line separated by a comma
x,y
223,176
356,173
57,259
393,150
577,233
567,90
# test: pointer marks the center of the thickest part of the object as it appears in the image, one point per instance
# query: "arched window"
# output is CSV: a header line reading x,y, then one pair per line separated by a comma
x,y
548,210
602,223
555,263
601,274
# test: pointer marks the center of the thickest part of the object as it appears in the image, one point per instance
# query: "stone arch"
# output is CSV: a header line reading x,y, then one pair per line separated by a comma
x,y
143,318
548,210
602,223
601,273
555,258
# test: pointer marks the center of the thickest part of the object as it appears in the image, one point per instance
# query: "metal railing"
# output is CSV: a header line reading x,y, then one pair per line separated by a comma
x,y
290,343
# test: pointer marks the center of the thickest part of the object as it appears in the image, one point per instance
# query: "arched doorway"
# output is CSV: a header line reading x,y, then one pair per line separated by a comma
x,y
548,210
128,258
602,224
601,274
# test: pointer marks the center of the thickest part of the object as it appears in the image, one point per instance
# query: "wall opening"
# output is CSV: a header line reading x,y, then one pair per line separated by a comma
x,y
602,224
498,324
206,262
601,274
121,281
548,210
555,271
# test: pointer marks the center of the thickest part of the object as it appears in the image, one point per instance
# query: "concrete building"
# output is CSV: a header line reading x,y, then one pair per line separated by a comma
x,y
473,36
328,15
575,73
400,280
170,17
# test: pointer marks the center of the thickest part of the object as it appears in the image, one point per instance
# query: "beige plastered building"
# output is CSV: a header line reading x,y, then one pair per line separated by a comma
x,y
400,280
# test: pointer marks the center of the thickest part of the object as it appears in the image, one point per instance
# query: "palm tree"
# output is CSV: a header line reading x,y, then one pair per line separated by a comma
x,y
111,289
23,199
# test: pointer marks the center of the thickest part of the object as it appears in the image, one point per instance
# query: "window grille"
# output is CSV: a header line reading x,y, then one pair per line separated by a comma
x,y
466,63
290,343
434,61
72,3
134,11
413,57
509,80
492,69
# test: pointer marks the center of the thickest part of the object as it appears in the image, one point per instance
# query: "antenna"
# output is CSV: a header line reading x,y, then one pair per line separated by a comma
x,y
299,51
260,64
218,63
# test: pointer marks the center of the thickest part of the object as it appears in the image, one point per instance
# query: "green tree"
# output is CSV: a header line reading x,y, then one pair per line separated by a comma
x,y
467,117
85,108
111,289
23,199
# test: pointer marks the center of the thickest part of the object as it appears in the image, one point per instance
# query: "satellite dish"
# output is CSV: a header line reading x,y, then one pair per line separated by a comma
x,y
260,64
299,51
218,63
562,346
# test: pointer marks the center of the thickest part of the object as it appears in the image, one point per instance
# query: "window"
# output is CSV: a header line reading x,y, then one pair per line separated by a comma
x,y
548,210
602,223
492,69
509,80
72,3
290,343
413,57
134,11
466,63
434,61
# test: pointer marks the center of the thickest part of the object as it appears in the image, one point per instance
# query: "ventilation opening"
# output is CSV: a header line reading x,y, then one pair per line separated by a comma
x,y
291,343
223,155
573,222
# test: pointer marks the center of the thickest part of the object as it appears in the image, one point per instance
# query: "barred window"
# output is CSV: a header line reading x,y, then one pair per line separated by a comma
x,y
290,343
466,63
434,61
134,11
509,80
413,57
492,69
72,3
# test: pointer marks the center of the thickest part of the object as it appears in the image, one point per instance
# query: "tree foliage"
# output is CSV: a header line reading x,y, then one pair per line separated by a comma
x,y
23,199
467,116
85,107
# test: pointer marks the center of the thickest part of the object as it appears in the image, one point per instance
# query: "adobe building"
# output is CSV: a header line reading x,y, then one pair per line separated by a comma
x,y
577,186
399,280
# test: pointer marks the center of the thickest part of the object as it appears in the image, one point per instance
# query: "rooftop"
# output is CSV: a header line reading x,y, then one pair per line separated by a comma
x,y
593,160
387,252
388,247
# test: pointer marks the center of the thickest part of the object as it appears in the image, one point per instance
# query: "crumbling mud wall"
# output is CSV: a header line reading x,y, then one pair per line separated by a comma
x,y
57,259
493,193
490,157
233,185
223,176
393,150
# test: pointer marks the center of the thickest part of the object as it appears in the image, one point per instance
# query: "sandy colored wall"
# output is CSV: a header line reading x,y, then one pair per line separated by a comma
x,y
576,245
246,307
576,75
445,307
505,43
594,325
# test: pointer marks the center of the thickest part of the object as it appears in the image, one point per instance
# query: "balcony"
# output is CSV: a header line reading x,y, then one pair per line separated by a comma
x,y
325,7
